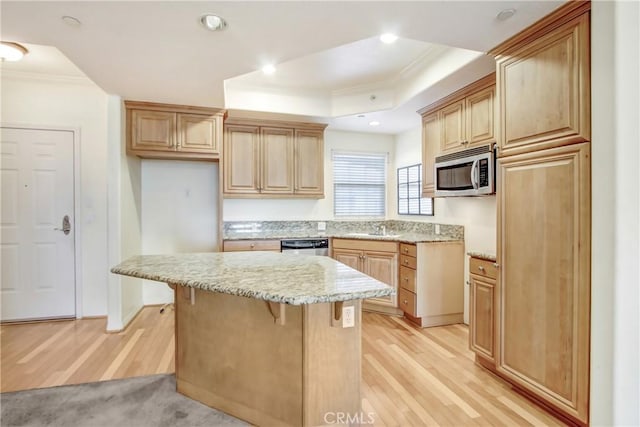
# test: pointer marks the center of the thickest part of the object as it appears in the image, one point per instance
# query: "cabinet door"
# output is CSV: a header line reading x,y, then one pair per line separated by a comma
x,y
480,112
543,90
153,130
544,254
309,162
197,133
241,159
452,126
349,257
482,316
277,160
382,266
430,149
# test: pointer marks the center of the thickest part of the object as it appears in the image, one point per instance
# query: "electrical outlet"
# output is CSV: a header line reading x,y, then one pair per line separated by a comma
x,y
437,227
348,316
322,226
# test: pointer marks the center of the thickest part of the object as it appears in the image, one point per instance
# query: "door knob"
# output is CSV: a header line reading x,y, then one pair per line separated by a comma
x,y
66,225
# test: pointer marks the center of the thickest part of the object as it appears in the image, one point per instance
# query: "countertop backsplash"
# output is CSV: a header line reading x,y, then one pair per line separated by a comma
x,y
300,229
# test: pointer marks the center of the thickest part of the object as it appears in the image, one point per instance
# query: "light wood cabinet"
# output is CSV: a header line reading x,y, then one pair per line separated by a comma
x,y
309,162
273,159
173,131
430,148
251,245
452,125
378,259
544,254
544,90
276,149
431,282
544,211
462,120
482,309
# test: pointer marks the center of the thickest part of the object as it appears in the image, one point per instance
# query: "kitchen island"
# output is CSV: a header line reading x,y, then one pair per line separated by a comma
x,y
265,336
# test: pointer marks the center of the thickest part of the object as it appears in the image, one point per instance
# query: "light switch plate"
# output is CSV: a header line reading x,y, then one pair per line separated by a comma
x,y
348,316
322,226
437,227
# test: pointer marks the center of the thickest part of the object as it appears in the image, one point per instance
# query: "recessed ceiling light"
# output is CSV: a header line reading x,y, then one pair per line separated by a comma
x,y
388,38
374,123
269,69
71,21
10,51
505,14
213,22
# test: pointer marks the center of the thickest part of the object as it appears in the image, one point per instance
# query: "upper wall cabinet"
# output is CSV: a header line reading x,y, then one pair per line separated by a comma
x,y
462,120
173,131
265,158
553,107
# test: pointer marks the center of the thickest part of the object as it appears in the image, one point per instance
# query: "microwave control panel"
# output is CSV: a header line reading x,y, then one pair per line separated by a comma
x,y
483,167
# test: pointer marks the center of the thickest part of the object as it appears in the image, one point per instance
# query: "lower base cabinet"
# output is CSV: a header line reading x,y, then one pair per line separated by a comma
x,y
378,259
432,283
482,310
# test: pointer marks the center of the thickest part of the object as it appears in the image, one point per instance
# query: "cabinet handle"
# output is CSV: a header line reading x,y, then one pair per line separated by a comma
x,y
405,302
462,143
468,283
406,279
406,250
406,261
252,246
496,265
481,268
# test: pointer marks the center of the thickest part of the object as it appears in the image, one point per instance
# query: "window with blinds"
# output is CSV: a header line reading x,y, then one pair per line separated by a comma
x,y
359,184
410,200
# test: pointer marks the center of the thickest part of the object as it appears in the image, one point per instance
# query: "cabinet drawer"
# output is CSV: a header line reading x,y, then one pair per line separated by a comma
x,y
408,278
251,245
407,261
483,268
406,249
407,302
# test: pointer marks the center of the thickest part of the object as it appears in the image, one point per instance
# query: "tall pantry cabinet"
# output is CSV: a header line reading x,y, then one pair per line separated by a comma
x,y
544,210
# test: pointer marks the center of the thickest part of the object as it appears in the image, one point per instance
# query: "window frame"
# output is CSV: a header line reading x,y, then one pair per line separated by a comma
x,y
409,198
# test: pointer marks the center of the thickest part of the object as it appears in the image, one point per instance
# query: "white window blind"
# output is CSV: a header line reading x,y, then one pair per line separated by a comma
x,y
359,184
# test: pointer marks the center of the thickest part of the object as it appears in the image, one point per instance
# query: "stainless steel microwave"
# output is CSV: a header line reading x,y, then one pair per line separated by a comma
x,y
465,173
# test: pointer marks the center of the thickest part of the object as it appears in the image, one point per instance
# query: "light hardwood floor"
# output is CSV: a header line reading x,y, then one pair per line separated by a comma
x,y
410,376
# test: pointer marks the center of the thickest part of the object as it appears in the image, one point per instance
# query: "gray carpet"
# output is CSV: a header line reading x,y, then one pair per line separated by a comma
x,y
137,402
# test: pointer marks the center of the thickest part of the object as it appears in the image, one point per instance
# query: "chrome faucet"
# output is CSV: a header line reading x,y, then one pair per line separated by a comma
x,y
381,230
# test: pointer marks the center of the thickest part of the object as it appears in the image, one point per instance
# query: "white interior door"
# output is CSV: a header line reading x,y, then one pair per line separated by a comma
x,y
38,260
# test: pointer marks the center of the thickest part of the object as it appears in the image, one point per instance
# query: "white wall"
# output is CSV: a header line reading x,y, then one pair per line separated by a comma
x,y
476,214
80,104
313,209
615,341
179,213
124,293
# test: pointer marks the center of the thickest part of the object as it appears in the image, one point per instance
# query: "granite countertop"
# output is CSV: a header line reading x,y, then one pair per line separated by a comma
x,y
268,276
400,237
482,255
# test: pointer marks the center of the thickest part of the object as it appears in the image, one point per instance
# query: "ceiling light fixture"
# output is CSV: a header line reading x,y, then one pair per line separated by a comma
x,y
71,21
388,38
505,14
269,69
10,51
213,22
374,123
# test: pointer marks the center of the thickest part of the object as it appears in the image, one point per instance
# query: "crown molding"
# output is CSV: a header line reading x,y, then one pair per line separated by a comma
x,y
51,78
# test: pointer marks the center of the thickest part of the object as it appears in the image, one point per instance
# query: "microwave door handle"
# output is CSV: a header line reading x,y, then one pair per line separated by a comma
x,y
474,173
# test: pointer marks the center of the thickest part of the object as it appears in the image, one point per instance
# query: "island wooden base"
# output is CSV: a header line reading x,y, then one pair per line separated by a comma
x,y
266,363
